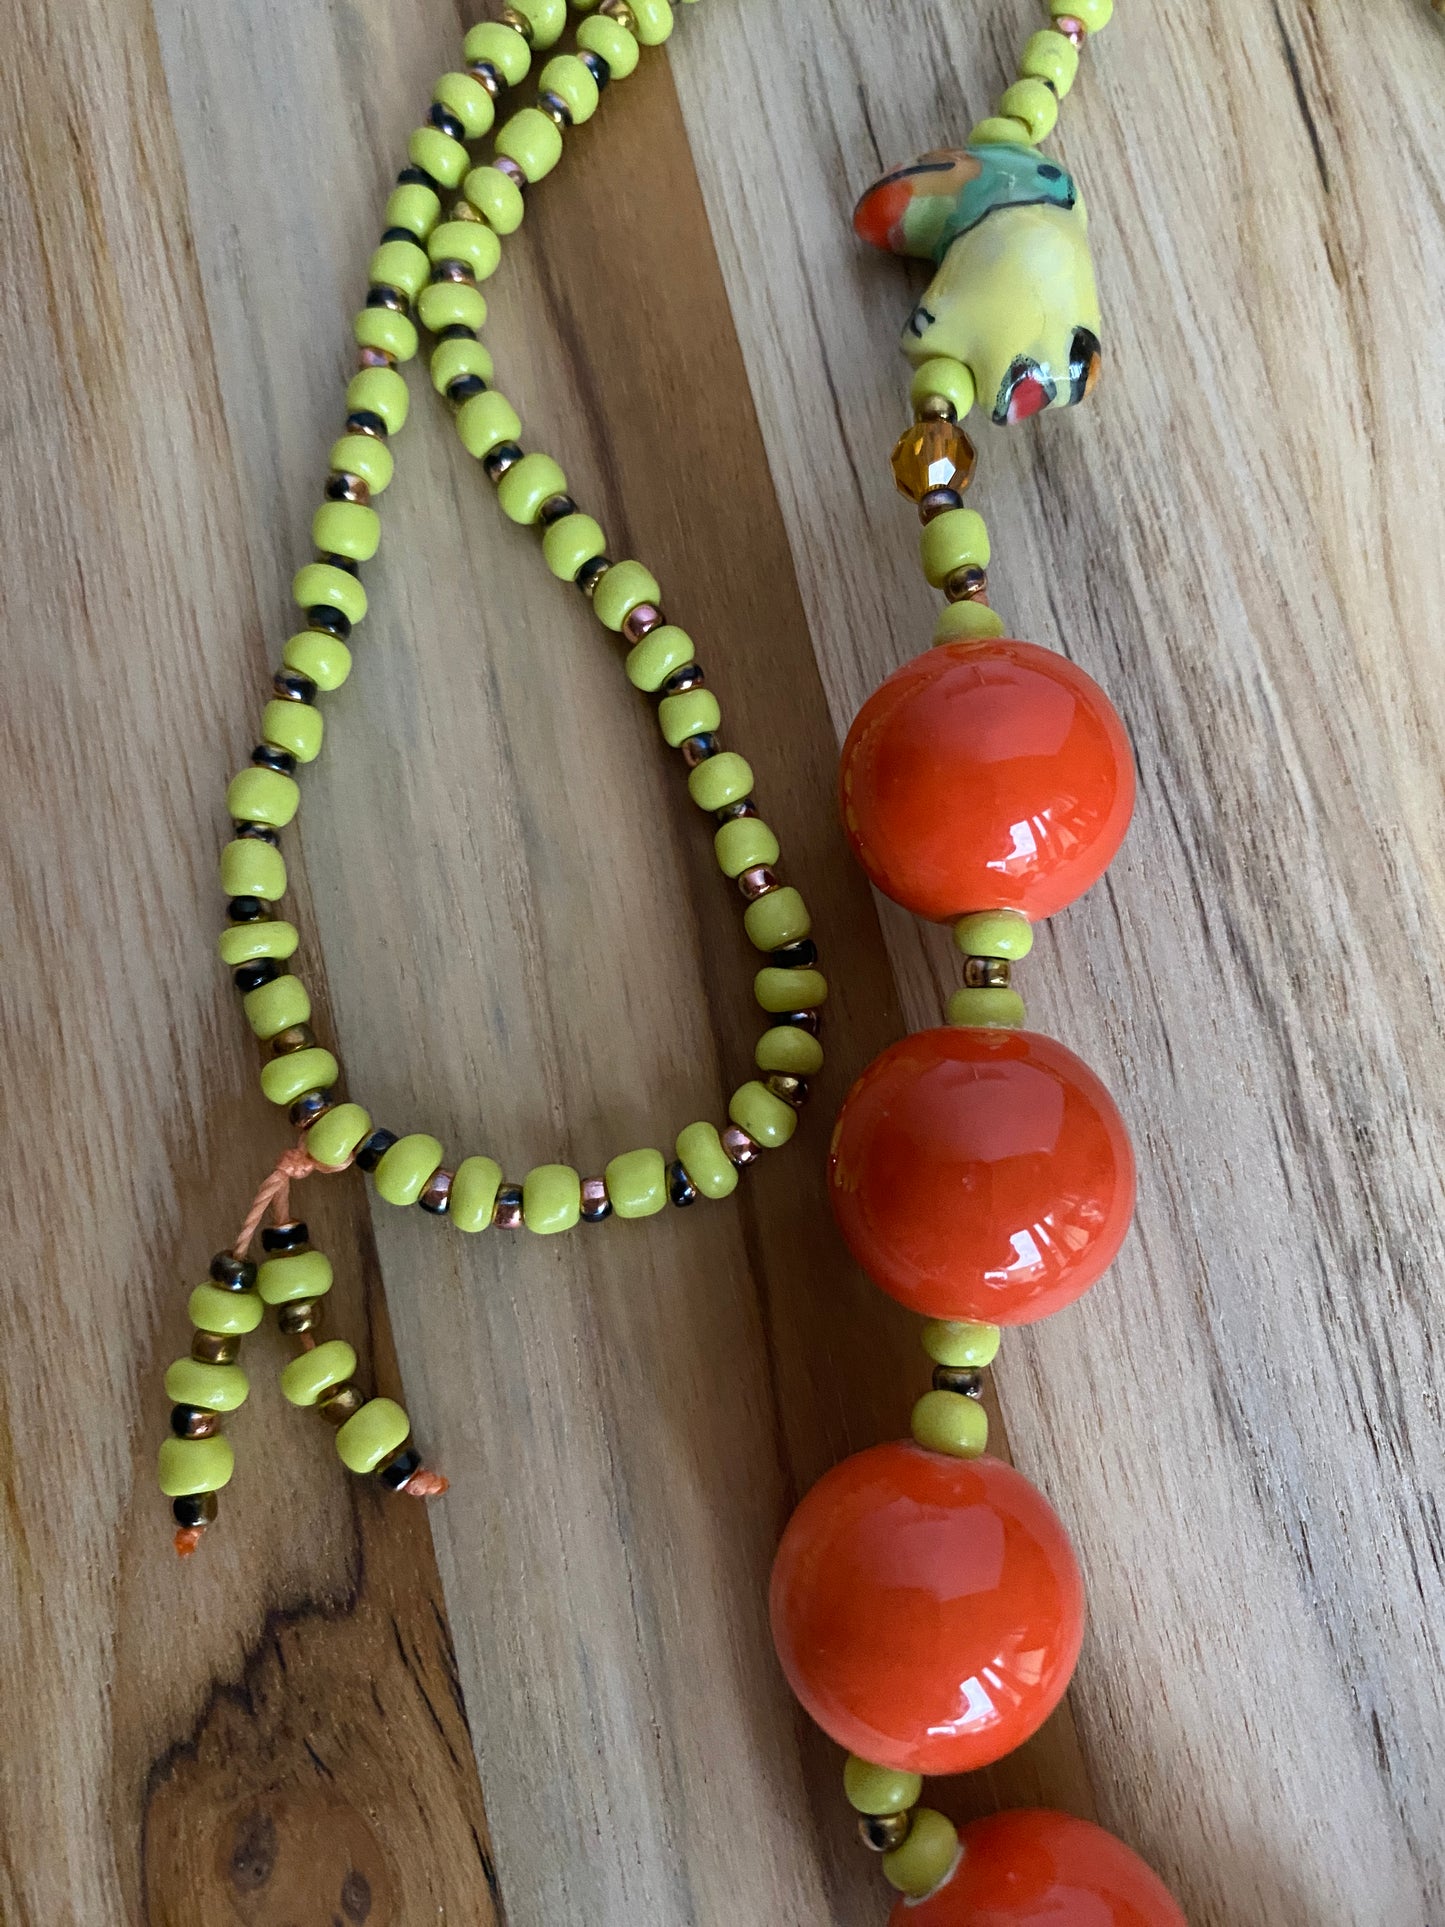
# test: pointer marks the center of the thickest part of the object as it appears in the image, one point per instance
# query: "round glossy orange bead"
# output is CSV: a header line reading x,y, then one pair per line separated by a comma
x,y
1036,1869
981,1174
986,776
927,1610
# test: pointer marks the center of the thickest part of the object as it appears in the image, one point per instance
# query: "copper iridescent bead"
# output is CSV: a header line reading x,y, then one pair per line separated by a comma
x,y
739,1146
932,454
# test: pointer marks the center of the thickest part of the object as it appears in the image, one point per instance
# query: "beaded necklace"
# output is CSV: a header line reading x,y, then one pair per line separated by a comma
x,y
979,1172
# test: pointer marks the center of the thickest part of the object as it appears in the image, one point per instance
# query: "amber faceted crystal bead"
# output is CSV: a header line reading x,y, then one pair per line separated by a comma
x,y
932,454
927,1611
1040,1869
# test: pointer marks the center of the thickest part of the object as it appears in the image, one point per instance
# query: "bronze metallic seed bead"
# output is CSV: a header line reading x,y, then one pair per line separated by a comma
x,y
641,621
792,1090
517,21
374,358
232,1273
739,1146
507,1212
437,1195
346,487
935,408
554,508
300,1316
445,121
294,1037
391,298
257,833
267,756
361,421
967,585
700,748
958,1378
194,1422
216,1348
293,688
591,573
504,164
619,11
328,621
464,211
596,1205
487,76
310,1107
195,1509
730,812
757,882
501,459
293,1235
1073,29
341,1403
453,271
936,501
556,110
986,973
882,1832
690,676
801,955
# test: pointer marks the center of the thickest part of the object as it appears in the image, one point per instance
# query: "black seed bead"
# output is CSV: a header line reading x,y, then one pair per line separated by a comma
x,y
488,75
950,1378
458,331
310,1106
250,976
399,1468
296,689
796,956
294,1236
330,622
591,573
246,910
600,69
730,812
346,562
464,387
442,116
391,298
690,676
267,756
398,234
680,1188
799,1020
232,1273
183,1417
554,508
374,1149
195,1509
361,421
504,456
414,177
555,108
701,748
257,833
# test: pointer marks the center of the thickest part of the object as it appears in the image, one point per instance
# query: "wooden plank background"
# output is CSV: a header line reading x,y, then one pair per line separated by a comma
x,y
512,923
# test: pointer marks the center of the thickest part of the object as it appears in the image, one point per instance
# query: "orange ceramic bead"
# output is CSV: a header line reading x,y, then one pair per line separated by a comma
x,y
986,776
1036,1869
981,1174
927,1610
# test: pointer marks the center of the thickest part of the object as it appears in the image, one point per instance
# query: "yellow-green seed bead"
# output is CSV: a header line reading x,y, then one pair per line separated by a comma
x,y
452,359
625,587
474,1193
188,1466
439,155
787,1049
532,141
637,1183
994,933
295,727
333,1139
379,391
572,83
548,18
551,1198
485,422
722,779
654,21
263,796
496,197
766,1119
325,660
314,1372
471,242
502,47
253,869
232,1313
879,1789
1095,14
413,207
967,622
365,456
957,539
347,528
245,942
997,130
384,328
960,1344
1052,57
1035,104
219,1388
527,485
468,99
401,266
951,1423
452,304
294,1275
701,1154
650,662
322,584
778,990
746,843
274,1007
615,44
994,1008
284,1079
567,544
371,1435
942,375
775,919
692,713
926,1857
408,1167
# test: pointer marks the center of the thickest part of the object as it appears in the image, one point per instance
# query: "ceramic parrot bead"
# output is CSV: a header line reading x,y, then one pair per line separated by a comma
x,y
1014,297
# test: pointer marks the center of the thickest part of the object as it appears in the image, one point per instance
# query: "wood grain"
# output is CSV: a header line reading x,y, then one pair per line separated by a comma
x,y
514,927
